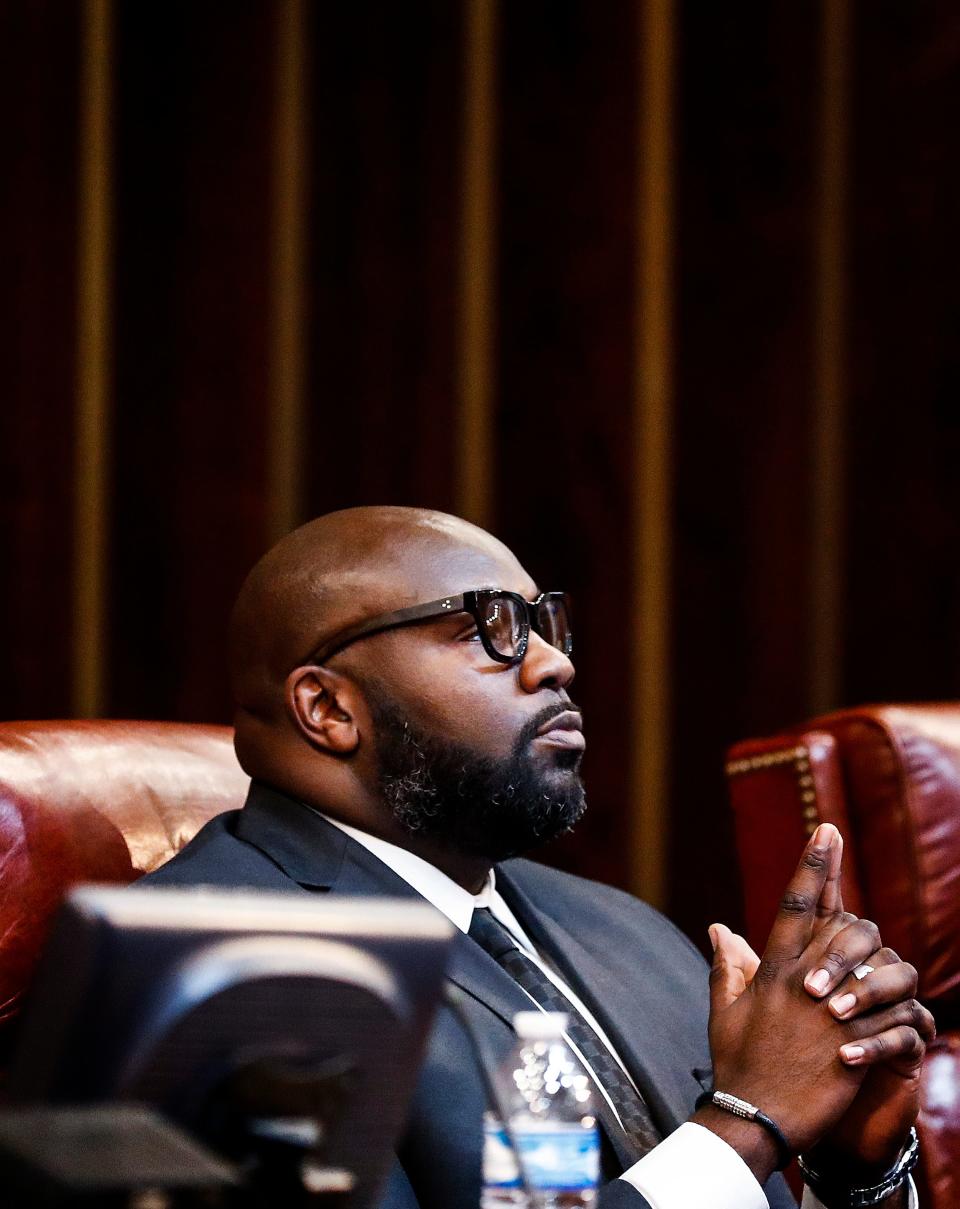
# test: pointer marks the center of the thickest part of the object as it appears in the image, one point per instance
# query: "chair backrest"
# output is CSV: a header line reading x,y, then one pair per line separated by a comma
x,y
889,777
95,802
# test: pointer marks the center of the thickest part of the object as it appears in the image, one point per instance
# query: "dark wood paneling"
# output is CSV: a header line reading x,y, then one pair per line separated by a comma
x,y
194,92
385,211
194,108
745,238
38,151
565,338
903,533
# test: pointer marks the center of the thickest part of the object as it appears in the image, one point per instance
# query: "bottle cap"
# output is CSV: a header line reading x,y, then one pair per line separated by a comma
x,y
540,1026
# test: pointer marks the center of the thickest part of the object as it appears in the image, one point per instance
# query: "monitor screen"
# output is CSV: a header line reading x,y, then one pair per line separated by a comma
x,y
268,1025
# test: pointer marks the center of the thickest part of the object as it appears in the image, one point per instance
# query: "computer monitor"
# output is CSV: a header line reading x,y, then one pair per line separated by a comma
x,y
264,1024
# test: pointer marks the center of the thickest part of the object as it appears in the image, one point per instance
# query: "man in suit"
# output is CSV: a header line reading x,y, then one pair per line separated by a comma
x,y
403,708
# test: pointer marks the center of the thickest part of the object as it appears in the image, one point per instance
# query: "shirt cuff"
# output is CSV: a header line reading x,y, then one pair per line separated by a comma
x,y
811,1202
692,1168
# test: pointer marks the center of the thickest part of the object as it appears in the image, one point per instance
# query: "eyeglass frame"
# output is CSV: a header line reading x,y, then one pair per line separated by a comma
x,y
465,602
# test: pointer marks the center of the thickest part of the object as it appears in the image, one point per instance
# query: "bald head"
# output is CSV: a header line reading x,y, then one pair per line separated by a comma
x,y
387,732
338,570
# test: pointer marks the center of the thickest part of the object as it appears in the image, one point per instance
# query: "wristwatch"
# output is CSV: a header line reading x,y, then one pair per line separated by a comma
x,y
840,1196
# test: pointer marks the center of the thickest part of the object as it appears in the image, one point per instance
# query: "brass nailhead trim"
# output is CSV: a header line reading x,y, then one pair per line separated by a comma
x,y
799,757
769,760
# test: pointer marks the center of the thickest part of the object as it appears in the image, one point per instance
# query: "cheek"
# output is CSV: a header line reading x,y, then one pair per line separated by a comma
x,y
458,695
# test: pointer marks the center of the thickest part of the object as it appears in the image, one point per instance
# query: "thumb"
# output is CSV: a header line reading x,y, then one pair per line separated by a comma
x,y
734,965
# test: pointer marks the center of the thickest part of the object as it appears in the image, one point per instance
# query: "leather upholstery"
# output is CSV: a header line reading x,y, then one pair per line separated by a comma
x,y
95,801
889,777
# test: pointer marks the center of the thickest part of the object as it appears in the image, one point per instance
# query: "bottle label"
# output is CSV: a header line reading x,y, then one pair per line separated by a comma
x,y
556,1155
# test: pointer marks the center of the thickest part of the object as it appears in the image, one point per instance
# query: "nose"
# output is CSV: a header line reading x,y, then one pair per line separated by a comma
x,y
544,666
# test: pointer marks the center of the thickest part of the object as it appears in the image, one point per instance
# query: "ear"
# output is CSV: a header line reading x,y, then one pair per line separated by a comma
x,y
323,707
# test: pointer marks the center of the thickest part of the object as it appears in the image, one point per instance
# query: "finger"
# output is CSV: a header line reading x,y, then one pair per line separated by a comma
x,y
734,965
841,953
908,1013
793,926
888,982
894,1044
831,900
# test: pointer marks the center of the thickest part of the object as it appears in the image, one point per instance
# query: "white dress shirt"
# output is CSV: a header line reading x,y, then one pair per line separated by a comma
x,y
692,1168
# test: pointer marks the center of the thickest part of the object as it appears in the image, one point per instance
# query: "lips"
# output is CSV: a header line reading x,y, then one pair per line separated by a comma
x,y
564,730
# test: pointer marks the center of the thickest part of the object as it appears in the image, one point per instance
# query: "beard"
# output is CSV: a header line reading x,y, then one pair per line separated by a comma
x,y
473,804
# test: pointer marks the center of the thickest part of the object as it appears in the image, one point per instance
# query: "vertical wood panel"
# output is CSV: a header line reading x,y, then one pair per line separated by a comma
x,y
477,243
565,302
39,53
746,159
94,276
195,92
288,286
829,410
652,512
902,623
384,273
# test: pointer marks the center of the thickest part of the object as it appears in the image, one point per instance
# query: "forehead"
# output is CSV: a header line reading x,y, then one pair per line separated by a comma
x,y
442,568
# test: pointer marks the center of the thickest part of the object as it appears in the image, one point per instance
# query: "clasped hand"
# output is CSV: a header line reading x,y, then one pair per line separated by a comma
x,y
833,1058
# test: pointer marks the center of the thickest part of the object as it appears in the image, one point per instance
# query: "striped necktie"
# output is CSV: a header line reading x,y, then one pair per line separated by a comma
x,y
635,1119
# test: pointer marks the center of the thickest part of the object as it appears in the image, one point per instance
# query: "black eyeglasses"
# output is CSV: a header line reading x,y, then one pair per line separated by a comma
x,y
504,620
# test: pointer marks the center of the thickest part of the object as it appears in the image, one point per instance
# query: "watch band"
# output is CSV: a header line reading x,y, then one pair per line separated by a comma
x,y
843,1196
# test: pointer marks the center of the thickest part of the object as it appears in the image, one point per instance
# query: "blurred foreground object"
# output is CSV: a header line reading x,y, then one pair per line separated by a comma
x,y
283,1032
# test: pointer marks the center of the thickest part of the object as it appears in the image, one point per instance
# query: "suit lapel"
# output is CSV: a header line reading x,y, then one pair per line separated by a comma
x,y
312,852
638,1024
318,856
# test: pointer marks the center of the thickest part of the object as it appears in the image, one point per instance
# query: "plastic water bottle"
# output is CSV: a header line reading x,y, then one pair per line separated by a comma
x,y
549,1102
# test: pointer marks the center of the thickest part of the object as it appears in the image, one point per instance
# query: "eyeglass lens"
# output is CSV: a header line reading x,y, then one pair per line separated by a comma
x,y
553,621
505,623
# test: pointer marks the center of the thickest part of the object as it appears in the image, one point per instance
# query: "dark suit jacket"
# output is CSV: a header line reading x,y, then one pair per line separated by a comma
x,y
644,981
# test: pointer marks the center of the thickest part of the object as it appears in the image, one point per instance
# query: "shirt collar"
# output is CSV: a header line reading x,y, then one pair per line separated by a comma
x,y
456,903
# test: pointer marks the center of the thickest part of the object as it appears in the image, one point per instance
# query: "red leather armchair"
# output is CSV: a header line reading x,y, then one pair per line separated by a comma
x,y
95,802
889,777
